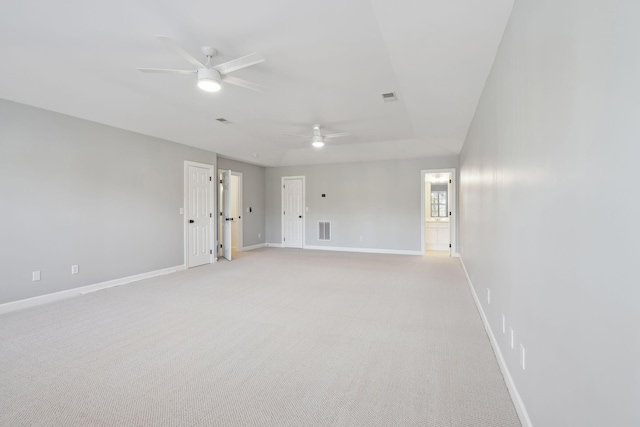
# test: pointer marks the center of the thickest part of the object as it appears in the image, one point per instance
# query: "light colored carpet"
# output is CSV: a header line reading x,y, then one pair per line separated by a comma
x,y
277,337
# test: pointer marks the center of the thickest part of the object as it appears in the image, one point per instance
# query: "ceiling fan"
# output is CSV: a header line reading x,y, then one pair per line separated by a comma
x,y
317,138
211,77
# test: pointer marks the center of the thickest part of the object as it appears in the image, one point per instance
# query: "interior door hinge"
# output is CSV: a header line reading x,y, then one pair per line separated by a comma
x,y
449,244
210,179
220,181
221,245
210,215
210,251
449,181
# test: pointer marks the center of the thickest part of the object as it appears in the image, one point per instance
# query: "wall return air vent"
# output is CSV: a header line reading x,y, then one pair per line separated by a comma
x,y
324,230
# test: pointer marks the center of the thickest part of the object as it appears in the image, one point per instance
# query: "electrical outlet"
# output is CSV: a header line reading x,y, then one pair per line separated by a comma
x,y
512,341
522,358
74,269
181,211
488,296
35,276
504,324
259,235
361,238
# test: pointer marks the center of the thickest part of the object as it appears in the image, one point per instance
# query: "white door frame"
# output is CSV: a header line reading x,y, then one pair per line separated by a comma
x,y
240,207
185,207
304,208
453,208
240,242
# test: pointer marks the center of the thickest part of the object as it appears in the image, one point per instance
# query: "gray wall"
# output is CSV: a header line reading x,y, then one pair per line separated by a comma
x,y
549,207
76,192
252,196
380,201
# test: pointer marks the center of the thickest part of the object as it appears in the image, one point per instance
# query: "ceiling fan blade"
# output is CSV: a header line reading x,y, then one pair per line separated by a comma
x,y
336,135
180,51
237,64
243,83
298,135
159,70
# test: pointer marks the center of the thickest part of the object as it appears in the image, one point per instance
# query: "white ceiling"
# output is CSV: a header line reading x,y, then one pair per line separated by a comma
x,y
327,62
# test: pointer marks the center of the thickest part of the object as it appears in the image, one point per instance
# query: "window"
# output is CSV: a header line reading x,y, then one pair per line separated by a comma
x,y
439,206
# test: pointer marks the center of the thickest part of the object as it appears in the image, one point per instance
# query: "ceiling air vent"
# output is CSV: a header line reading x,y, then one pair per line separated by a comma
x,y
324,230
224,121
389,97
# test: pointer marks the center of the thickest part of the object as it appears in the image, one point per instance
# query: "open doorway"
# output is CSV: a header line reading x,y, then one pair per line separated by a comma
x,y
229,214
438,212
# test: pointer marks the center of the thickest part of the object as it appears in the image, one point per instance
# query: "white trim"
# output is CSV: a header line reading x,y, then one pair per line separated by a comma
x,y
364,250
511,386
240,208
273,245
185,213
304,208
56,296
453,225
252,247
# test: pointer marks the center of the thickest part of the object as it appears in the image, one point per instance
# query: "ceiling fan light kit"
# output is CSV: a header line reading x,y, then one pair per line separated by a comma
x,y
209,80
317,141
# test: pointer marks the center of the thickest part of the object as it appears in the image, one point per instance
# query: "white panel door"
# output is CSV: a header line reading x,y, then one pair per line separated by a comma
x,y
199,216
226,214
292,212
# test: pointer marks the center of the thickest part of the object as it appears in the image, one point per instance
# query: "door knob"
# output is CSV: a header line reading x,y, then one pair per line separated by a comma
x,y
191,221
299,216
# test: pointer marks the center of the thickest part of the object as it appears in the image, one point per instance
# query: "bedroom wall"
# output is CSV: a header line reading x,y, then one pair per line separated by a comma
x,y
380,201
77,192
253,178
549,212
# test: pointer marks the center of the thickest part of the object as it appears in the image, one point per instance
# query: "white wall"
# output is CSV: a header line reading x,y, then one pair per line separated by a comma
x,y
380,201
549,207
76,192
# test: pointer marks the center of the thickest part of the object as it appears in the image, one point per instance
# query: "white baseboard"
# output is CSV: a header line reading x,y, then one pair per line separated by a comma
x,y
56,296
273,245
363,250
511,386
250,248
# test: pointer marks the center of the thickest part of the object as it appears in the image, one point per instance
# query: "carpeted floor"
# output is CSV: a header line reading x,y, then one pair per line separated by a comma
x,y
276,337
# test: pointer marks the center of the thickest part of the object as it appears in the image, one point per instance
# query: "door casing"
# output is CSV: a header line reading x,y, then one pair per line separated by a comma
x,y
224,210
185,210
453,207
302,209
